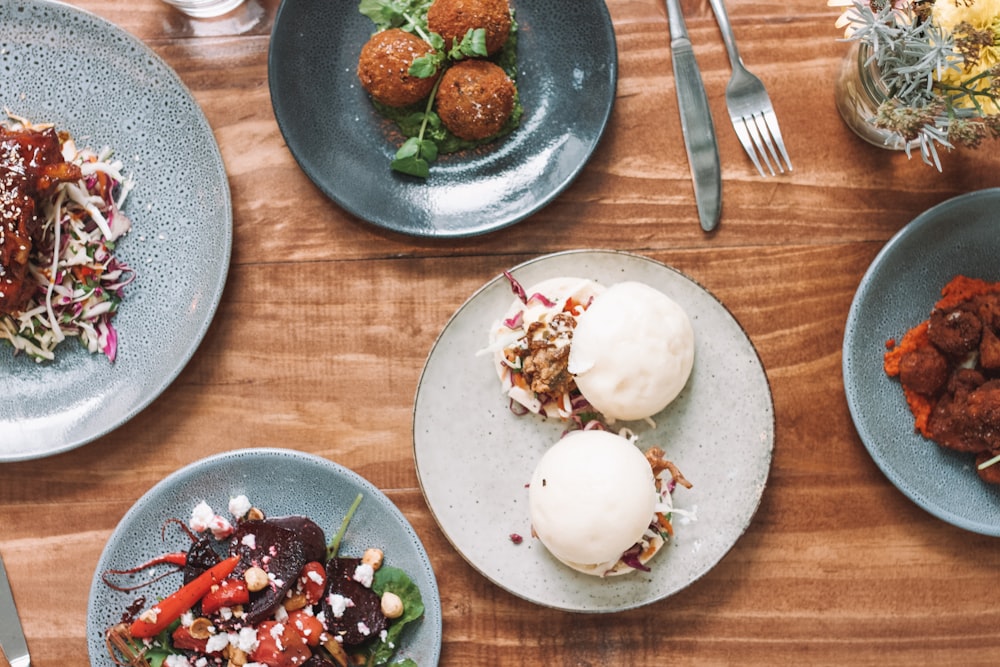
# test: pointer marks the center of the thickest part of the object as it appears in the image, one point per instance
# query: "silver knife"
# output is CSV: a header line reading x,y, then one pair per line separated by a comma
x,y
11,635
696,122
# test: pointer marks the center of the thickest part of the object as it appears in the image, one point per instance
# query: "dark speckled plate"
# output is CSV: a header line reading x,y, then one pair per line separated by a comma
x,y
323,491
474,460
65,66
959,236
568,71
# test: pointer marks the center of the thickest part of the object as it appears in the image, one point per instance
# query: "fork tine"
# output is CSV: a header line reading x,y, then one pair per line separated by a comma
x,y
765,133
772,124
744,135
757,141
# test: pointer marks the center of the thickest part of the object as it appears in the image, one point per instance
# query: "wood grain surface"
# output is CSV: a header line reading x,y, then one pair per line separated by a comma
x,y
838,567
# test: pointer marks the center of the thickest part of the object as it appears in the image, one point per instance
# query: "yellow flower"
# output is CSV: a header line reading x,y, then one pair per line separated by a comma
x,y
981,15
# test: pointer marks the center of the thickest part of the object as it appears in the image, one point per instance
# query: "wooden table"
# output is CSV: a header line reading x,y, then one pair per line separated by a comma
x,y
838,567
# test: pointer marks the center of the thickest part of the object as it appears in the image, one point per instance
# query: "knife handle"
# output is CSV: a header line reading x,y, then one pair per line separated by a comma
x,y
675,19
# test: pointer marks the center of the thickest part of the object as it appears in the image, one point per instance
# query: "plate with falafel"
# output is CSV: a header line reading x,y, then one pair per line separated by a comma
x,y
936,443
593,431
443,118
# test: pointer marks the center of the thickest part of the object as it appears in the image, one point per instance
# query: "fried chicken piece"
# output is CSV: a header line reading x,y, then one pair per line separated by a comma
x,y
31,165
967,418
924,370
955,331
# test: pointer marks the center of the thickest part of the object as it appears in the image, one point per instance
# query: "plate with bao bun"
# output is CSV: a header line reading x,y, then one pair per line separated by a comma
x,y
475,455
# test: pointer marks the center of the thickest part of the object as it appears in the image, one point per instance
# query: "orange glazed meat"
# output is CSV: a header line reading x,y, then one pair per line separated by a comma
x,y
475,99
452,19
31,165
384,66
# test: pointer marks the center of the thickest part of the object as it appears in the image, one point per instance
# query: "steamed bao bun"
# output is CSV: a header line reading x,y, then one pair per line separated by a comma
x,y
632,351
591,498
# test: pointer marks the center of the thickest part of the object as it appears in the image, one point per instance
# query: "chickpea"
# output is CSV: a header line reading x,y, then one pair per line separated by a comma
x,y
295,601
256,578
372,557
392,605
201,628
254,514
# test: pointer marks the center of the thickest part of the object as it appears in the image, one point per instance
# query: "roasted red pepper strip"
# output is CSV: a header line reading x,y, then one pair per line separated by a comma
x,y
169,609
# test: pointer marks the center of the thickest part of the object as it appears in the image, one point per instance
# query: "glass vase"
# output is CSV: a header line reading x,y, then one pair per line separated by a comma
x,y
858,91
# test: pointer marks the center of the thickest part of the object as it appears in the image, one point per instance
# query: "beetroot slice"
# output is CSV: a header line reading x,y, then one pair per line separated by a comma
x,y
366,610
309,533
276,550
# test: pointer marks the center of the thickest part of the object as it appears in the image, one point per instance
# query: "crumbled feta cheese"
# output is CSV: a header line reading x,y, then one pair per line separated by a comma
x,y
315,577
176,661
246,640
249,540
363,574
364,629
281,614
201,517
239,506
187,618
217,642
220,527
339,604
150,615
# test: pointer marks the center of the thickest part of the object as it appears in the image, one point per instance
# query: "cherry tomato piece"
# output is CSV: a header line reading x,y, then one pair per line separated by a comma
x,y
279,645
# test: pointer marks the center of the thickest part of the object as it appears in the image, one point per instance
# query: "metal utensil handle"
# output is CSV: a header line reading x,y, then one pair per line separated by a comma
x,y
11,636
722,17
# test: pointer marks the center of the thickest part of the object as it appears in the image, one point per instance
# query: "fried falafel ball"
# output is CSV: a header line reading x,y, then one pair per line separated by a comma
x,y
384,66
475,99
452,19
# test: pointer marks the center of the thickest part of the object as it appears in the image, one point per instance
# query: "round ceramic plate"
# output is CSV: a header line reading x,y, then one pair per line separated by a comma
x,y
323,491
568,71
474,461
959,236
64,66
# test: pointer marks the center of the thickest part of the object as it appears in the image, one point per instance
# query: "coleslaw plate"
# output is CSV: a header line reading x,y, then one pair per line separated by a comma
x,y
65,66
473,463
280,482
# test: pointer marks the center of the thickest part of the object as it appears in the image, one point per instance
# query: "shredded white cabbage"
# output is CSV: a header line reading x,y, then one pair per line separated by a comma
x,y
79,281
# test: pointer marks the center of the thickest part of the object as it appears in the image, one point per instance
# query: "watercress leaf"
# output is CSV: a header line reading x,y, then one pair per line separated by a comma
x,y
433,120
437,41
474,43
382,13
425,66
428,150
413,166
410,148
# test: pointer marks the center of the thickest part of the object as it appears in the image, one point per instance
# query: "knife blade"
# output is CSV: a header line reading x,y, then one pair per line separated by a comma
x,y
11,635
696,122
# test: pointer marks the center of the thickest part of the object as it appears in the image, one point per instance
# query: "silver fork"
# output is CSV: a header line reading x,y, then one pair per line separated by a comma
x,y
750,108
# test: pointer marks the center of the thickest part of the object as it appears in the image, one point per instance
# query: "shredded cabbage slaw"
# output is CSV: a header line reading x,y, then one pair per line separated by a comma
x,y
79,281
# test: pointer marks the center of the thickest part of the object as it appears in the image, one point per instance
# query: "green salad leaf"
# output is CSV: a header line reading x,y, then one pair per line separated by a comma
x,y
396,581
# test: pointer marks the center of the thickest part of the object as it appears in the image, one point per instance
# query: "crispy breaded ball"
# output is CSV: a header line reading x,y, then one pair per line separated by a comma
x,y
384,66
475,99
453,18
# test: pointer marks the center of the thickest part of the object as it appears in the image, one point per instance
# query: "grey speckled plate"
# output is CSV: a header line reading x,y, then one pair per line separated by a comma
x,y
62,65
568,70
474,456
323,491
959,236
